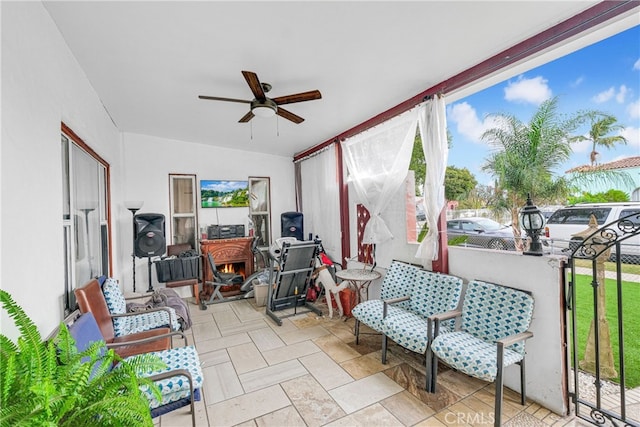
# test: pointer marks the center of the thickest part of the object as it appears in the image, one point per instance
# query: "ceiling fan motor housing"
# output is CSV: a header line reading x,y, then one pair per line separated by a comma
x,y
260,108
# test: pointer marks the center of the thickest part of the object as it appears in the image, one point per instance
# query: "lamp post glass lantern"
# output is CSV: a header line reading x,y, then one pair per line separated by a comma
x,y
533,222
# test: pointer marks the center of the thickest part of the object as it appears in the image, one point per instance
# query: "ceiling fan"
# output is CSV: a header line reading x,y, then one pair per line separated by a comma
x,y
262,106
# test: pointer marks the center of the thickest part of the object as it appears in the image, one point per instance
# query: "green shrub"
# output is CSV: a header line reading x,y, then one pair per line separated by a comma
x,y
50,383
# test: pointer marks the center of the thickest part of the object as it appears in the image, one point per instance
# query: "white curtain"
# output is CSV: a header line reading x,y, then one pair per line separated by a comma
x,y
433,129
321,201
378,160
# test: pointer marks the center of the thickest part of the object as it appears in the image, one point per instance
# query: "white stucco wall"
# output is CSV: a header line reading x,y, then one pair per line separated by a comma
x,y
149,160
540,276
42,86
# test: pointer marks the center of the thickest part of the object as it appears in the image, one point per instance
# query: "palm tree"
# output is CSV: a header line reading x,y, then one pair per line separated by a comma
x,y
601,126
526,154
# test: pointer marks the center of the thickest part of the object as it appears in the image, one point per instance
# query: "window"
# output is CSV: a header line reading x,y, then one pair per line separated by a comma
x,y
579,215
85,215
260,209
182,196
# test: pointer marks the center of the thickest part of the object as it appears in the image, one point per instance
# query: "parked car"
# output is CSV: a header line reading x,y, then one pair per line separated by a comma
x,y
573,219
483,232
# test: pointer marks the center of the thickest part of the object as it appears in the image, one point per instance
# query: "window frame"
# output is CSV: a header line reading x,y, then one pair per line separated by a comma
x,y
70,227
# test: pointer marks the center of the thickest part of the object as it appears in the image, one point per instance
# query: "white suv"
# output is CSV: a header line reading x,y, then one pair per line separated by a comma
x,y
573,219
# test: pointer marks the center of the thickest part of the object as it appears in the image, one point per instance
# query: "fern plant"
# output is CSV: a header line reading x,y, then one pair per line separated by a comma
x,y
51,383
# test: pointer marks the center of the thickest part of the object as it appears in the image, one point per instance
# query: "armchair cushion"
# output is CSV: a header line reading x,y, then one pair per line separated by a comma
x,y
177,387
114,296
141,321
145,321
472,356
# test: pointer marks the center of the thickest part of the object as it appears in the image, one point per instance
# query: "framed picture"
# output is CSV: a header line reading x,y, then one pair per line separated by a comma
x,y
260,208
224,194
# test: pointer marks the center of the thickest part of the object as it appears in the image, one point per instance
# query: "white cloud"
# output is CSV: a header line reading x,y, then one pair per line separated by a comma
x,y
577,82
604,96
620,95
622,92
633,136
466,119
636,66
534,91
633,109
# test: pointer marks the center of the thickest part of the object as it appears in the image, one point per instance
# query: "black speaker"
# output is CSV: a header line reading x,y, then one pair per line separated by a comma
x,y
148,230
292,225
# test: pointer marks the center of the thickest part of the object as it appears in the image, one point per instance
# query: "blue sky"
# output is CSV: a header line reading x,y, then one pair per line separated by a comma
x,y
604,76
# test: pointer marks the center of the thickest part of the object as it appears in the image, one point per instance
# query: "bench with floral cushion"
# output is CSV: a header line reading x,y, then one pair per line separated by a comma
x,y
494,325
405,319
398,282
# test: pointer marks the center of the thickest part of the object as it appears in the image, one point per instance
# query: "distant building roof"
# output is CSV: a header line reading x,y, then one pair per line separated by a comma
x,y
629,162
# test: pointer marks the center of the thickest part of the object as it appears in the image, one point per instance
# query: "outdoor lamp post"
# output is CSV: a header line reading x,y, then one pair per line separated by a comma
x,y
532,221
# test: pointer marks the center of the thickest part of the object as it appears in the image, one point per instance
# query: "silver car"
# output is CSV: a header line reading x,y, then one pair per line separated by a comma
x,y
482,232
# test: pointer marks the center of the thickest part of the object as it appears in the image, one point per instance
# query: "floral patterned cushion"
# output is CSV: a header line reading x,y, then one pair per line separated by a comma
x,y
145,321
471,355
397,282
432,293
489,312
175,388
114,296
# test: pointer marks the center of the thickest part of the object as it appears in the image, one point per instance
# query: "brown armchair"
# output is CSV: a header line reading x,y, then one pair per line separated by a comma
x,y
91,299
193,283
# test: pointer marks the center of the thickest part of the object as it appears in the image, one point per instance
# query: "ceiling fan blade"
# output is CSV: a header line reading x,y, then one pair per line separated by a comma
x,y
254,84
298,97
218,98
247,117
289,116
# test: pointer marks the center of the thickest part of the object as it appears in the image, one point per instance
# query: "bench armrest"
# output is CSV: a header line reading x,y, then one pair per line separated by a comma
x,y
434,330
386,303
439,317
150,310
149,339
512,339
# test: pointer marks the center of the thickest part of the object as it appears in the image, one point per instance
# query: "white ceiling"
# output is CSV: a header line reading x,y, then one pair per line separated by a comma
x,y
149,61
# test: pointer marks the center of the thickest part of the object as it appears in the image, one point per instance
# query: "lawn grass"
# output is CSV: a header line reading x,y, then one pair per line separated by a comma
x,y
610,266
631,322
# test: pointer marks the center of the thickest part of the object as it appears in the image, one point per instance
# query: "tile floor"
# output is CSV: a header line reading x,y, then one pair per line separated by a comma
x,y
310,372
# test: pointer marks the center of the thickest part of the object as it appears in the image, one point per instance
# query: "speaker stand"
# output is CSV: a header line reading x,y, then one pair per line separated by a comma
x,y
150,287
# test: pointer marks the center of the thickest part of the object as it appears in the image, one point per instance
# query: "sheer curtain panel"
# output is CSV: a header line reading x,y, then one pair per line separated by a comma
x,y
321,200
433,129
378,161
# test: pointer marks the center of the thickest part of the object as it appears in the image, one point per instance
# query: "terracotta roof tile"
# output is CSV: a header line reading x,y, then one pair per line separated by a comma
x,y
629,162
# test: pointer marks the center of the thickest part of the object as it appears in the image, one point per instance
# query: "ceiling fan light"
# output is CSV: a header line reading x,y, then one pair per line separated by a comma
x,y
264,111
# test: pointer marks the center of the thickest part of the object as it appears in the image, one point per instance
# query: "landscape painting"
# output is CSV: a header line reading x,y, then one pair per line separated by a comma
x,y
224,194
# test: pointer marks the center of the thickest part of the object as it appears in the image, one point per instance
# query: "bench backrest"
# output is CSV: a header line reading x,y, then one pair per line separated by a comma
x,y
434,293
398,281
491,312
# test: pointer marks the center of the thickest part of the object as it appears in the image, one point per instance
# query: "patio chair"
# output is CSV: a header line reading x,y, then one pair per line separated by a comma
x,y
182,363
397,283
492,334
91,300
126,323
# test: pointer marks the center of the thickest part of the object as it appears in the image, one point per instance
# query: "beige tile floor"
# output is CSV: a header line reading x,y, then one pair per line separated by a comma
x,y
310,372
